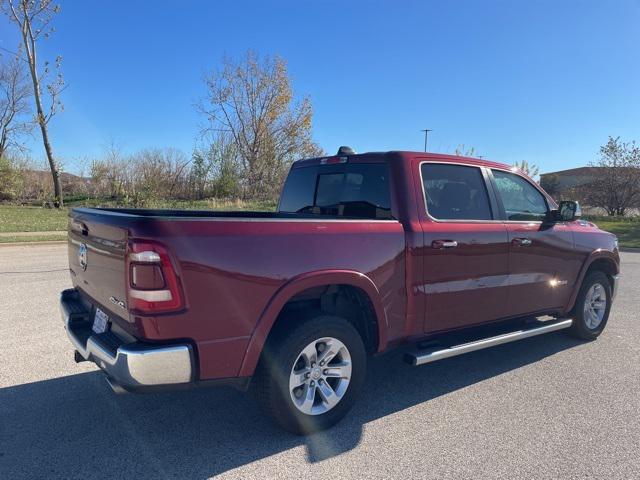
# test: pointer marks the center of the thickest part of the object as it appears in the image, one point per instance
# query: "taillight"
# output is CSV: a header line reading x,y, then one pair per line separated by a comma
x,y
146,277
152,282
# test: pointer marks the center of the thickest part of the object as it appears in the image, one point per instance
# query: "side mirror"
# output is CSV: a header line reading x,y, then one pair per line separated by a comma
x,y
567,211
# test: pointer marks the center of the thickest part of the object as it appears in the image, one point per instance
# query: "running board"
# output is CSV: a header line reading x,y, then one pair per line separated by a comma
x,y
421,357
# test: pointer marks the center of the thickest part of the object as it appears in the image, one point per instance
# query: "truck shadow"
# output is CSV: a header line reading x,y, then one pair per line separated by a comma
x,y
75,427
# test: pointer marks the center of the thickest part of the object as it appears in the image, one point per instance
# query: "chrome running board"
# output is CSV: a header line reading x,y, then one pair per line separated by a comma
x,y
420,357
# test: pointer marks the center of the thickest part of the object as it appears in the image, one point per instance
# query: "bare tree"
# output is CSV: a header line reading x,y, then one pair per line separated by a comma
x,y
199,176
251,100
527,168
463,151
160,173
14,104
617,186
216,170
33,18
109,174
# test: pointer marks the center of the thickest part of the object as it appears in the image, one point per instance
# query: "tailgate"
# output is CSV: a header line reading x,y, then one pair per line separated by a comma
x,y
97,251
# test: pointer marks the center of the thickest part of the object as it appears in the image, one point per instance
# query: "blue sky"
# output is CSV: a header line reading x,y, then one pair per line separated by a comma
x,y
545,81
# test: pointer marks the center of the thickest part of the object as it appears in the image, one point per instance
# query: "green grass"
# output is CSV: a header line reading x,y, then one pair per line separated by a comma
x,y
31,219
627,230
45,237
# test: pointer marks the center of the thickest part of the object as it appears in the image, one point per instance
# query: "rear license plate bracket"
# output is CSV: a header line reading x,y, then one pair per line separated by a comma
x,y
100,322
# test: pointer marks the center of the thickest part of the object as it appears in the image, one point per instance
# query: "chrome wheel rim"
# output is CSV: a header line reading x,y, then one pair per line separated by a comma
x,y
595,306
320,376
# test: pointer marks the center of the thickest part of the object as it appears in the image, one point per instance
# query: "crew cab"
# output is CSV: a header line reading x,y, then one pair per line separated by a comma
x,y
366,252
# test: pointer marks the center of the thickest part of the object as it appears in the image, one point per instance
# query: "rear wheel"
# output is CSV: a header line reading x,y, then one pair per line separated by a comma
x,y
591,311
309,377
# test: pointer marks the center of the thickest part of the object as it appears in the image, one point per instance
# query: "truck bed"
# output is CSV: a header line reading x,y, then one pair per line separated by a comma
x,y
209,214
231,265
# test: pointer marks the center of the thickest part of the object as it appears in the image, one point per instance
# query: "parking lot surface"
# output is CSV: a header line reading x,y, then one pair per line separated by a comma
x,y
546,407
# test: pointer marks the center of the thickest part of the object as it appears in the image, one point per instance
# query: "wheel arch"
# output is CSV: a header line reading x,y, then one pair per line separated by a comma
x,y
602,260
300,284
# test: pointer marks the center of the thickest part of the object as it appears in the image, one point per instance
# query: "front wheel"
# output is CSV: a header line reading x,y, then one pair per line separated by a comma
x,y
309,376
591,311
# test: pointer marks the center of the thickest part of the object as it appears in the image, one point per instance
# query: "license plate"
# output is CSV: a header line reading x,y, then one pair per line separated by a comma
x,y
100,322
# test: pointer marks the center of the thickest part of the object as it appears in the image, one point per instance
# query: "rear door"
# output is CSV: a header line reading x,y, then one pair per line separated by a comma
x,y
465,248
542,258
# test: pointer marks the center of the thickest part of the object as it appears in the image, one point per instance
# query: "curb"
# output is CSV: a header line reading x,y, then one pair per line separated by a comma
x,y
33,234
629,249
33,244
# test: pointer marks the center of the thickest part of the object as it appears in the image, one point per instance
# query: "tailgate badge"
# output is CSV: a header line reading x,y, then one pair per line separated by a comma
x,y
117,302
82,256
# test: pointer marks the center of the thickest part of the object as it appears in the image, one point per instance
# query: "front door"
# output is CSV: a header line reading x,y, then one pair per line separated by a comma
x,y
542,259
465,250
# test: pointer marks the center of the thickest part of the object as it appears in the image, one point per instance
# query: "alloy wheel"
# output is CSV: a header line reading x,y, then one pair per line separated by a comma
x,y
320,376
595,306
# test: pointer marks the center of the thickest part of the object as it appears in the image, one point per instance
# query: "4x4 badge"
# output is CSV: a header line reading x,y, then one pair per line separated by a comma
x,y
117,302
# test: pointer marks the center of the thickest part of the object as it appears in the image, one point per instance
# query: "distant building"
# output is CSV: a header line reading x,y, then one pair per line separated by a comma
x,y
565,185
565,179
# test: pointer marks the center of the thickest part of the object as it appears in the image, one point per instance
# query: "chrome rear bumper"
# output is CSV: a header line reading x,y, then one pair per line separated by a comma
x,y
133,366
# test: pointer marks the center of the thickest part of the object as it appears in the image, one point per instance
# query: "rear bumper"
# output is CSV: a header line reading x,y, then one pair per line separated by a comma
x,y
133,366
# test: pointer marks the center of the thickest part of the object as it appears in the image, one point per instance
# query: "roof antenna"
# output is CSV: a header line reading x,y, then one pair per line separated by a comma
x,y
345,150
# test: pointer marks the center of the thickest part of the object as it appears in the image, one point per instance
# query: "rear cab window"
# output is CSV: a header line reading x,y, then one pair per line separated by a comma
x,y
359,190
455,192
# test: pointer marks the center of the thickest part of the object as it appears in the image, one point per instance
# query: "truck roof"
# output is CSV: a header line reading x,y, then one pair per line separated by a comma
x,y
400,155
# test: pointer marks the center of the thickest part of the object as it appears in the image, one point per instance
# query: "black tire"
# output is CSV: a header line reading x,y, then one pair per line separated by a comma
x,y
580,328
277,361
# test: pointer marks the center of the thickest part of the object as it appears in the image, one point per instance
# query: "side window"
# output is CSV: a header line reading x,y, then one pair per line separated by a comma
x,y
354,190
455,192
521,200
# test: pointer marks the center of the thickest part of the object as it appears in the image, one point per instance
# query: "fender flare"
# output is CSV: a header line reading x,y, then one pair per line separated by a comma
x,y
297,285
598,254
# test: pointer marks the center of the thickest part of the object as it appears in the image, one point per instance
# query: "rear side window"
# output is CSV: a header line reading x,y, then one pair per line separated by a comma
x,y
348,190
455,192
521,200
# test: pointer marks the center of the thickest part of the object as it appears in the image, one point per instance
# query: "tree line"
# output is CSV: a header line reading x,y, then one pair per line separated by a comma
x,y
253,129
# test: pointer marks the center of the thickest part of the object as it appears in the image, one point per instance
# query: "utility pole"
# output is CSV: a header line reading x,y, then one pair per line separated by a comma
x,y
426,134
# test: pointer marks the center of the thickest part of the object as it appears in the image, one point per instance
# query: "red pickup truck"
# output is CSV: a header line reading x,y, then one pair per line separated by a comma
x,y
443,254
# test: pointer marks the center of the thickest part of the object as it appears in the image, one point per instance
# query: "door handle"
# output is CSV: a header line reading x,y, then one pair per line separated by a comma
x,y
444,244
522,242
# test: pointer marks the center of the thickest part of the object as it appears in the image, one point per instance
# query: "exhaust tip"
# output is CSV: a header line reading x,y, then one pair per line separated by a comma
x,y
115,386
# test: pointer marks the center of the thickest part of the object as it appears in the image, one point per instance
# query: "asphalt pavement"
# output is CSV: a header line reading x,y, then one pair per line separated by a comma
x,y
545,407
